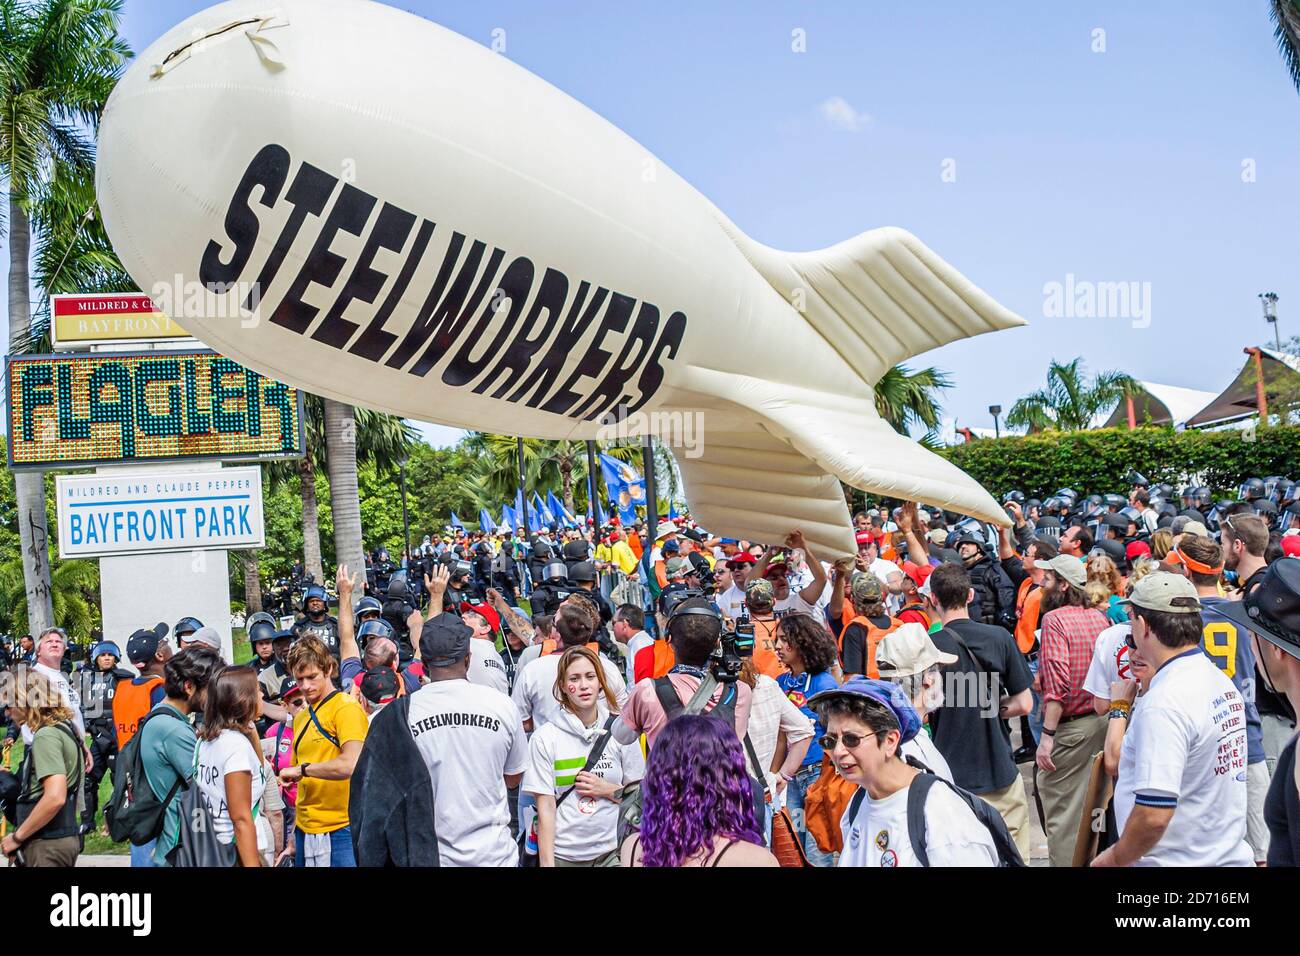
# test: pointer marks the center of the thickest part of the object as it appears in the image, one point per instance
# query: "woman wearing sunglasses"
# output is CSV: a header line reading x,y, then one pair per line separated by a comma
x,y
866,723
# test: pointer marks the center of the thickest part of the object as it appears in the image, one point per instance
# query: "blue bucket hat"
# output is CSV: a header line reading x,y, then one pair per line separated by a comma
x,y
882,692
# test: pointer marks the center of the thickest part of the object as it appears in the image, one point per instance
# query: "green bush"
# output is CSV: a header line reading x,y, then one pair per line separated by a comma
x,y
1097,460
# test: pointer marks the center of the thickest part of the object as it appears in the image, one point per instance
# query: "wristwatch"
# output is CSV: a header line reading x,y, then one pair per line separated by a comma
x,y
304,769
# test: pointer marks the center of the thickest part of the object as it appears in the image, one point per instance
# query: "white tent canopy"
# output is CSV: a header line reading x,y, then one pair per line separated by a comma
x,y
1239,400
1158,404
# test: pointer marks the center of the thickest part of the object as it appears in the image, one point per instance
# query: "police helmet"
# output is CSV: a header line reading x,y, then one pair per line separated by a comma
x,y
369,629
261,627
314,591
186,626
583,572
555,571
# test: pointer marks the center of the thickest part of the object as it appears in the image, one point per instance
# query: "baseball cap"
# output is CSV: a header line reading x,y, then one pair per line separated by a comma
x,y
1137,549
1291,545
670,547
919,573
741,557
908,650
143,645
1163,591
208,636
866,588
863,537
1195,527
674,567
759,591
289,688
882,692
379,684
1070,568
730,541
444,640
493,618
938,536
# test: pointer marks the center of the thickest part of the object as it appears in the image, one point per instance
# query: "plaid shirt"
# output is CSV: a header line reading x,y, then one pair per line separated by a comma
x,y
1068,635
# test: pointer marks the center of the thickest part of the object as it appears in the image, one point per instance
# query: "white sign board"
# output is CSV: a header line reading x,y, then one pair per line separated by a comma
x,y
150,513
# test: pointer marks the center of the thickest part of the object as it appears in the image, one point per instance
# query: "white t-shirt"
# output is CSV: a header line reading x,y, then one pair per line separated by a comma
x,y
883,570
922,748
878,836
486,667
469,738
1186,750
731,602
69,695
230,753
638,640
527,656
585,828
534,692
1109,661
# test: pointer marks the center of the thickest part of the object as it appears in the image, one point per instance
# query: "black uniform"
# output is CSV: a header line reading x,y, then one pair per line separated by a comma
x,y
995,598
97,689
327,629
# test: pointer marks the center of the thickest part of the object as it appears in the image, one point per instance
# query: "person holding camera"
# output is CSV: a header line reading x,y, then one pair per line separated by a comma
x,y
695,632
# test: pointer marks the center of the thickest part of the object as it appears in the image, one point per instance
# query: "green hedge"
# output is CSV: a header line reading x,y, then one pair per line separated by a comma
x,y
1097,460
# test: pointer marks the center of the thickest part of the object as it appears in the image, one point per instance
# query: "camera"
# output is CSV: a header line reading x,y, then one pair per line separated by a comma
x,y
734,647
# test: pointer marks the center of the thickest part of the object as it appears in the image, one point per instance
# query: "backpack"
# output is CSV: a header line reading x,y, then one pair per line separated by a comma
x,y
197,844
917,794
133,812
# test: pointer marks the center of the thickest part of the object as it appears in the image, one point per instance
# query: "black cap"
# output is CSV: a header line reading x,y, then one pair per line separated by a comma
x,y
582,572
1119,522
142,646
444,640
1114,550
379,684
1272,608
282,636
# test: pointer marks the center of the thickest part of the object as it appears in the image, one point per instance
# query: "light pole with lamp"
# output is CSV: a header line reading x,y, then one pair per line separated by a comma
x,y
995,411
406,522
1269,301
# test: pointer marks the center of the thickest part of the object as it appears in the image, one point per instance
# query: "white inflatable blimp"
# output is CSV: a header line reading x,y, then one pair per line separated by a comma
x,y
383,212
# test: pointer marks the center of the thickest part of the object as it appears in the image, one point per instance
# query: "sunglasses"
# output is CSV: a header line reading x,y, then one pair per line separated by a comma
x,y
851,740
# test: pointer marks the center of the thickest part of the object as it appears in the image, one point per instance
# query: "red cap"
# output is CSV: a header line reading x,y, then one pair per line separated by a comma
x,y
493,618
1136,549
1291,546
742,557
863,537
916,572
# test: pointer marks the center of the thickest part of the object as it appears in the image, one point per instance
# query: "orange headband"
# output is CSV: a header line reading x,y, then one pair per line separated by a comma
x,y
1177,557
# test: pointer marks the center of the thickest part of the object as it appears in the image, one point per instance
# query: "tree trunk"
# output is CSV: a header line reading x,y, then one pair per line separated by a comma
x,y
29,486
311,559
341,453
252,582
566,487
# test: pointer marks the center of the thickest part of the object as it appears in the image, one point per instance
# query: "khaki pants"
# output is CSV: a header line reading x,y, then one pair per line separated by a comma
x,y
1062,790
62,852
1012,803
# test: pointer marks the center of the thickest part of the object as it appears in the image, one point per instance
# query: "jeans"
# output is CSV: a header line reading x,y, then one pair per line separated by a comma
x,y
795,793
143,855
340,847
1036,715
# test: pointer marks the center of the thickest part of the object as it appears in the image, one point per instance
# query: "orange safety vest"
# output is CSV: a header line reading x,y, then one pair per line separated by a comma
x,y
917,609
130,704
1028,603
874,634
765,659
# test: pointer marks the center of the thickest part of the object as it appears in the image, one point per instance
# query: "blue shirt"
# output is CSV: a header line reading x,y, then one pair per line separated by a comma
x,y
167,751
1229,647
799,688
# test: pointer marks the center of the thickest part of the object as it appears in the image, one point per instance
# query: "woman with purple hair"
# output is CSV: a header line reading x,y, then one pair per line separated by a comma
x,y
697,808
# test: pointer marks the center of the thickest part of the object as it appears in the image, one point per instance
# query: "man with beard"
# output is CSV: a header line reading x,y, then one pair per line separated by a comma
x,y
1072,731
318,620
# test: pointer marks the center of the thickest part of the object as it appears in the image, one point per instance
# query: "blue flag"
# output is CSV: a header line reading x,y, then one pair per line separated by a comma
x,y
485,521
560,512
624,485
547,516
507,517
672,511
455,522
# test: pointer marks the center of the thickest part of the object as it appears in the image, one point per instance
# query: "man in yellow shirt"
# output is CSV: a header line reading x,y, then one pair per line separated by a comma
x,y
327,738
622,554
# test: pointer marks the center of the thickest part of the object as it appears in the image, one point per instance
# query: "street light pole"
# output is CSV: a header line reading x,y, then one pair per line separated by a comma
x,y
995,411
1269,301
523,492
406,521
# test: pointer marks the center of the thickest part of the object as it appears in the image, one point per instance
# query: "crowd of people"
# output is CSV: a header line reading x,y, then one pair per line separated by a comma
x,y
1123,667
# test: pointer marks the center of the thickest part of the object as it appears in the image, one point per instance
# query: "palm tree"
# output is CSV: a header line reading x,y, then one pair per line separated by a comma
x,y
59,61
380,438
74,589
905,398
341,459
1286,28
1071,400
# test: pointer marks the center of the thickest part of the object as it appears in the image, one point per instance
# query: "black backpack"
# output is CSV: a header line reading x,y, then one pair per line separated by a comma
x,y
133,812
917,794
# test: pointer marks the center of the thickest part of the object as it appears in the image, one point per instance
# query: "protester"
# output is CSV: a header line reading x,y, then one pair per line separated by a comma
x,y
51,794
576,771
327,737
167,743
870,623
989,683
534,693
471,742
807,651
866,722
697,806
229,766
760,599
149,652
1180,799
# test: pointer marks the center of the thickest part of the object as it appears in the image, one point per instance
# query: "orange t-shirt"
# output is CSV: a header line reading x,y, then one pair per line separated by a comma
x,y
1028,603
765,659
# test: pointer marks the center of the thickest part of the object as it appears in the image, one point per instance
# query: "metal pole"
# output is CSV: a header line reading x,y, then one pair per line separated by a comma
x,y
523,494
997,432
406,522
651,495
592,511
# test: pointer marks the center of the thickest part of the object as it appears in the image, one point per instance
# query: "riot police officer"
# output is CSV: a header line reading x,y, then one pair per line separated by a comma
x,y
100,675
582,576
395,613
317,620
553,587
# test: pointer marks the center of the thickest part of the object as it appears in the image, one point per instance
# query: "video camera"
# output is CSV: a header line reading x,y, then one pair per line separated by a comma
x,y
733,646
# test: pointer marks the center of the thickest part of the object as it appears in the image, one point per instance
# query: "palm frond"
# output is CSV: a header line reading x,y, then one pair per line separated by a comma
x,y
1286,29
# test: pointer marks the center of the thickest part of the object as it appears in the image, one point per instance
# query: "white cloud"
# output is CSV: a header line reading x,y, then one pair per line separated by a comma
x,y
841,115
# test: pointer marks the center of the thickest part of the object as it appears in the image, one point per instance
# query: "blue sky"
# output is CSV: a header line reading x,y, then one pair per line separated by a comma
x,y
1117,166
